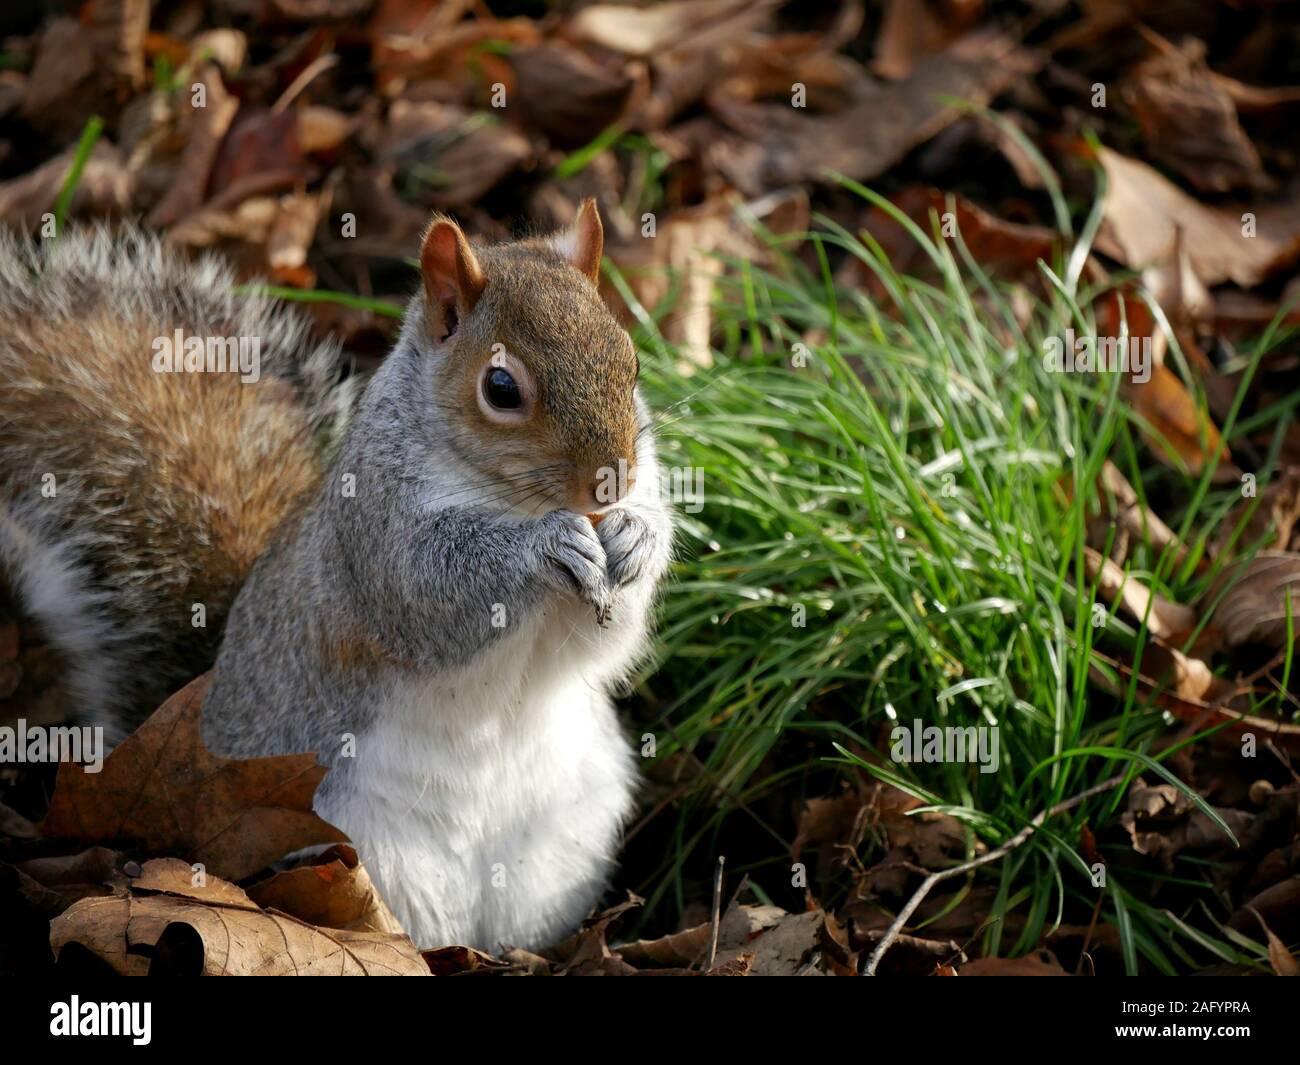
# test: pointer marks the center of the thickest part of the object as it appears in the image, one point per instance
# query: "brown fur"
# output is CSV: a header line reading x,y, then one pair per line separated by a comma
x,y
172,484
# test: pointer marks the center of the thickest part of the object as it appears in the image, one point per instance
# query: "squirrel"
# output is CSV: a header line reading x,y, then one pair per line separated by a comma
x,y
436,586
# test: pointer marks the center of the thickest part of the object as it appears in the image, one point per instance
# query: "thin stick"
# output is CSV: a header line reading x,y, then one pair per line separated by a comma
x,y
717,912
894,929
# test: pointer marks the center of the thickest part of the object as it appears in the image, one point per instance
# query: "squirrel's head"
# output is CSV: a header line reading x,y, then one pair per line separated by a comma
x,y
536,378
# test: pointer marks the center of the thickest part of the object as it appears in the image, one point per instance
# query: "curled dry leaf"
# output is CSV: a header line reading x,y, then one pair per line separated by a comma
x,y
1162,822
587,951
1254,607
333,889
1282,960
176,922
164,789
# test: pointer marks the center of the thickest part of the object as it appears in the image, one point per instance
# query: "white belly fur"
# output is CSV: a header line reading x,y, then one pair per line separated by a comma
x,y
492,811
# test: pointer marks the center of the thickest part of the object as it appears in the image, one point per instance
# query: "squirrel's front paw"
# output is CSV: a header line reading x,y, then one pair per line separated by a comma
x,y
633,545
574,560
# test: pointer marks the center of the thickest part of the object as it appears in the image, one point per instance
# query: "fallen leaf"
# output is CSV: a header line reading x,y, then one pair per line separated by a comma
x,y
1143,212
1040,963
163,789
332,889
205,127
1178,425
67,878
1165,619
566,94
782,145
911,30
168,924
1269,519
1254,606
450,156
1189,120
646,31
1282,960
106,187
587,952
458,961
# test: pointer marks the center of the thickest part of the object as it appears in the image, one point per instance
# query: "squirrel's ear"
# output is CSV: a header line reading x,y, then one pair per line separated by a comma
x,y
453,279
583,243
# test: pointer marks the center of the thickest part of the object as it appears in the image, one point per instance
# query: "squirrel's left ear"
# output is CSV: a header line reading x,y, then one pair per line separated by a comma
x,y
453,279
584,242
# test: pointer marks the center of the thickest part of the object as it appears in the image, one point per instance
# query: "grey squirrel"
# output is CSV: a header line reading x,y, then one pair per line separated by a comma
x,y
440,612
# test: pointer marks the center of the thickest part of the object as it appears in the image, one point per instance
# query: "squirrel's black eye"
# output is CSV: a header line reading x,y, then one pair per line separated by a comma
x,y
501,390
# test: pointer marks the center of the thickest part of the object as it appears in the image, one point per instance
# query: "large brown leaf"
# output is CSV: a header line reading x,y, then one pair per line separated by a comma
x,y
164,789
1143,212
176,923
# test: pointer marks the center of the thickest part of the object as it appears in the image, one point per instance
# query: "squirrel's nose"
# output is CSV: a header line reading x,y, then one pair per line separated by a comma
x,y
607,485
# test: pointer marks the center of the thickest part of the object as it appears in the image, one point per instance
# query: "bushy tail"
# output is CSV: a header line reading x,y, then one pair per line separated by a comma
x,y
137,489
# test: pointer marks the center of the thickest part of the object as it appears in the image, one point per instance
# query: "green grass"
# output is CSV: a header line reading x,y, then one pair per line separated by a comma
x,y
89,138
918,490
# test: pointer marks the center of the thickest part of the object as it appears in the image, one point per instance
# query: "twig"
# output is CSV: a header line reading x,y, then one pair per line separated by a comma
x,y
717,912
918,897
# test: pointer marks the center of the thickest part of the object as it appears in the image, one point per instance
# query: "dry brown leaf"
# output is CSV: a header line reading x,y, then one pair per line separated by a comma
x,y
455,156
106,187
1132,518
566,94
163,789
258,153
910,30
689,948
333,890
1143,212
1278,904
1282,960
457,961
292,232
782,145
1040,963
1272,520
225,47
1180,424
66,878
1189,121
1162,822
587,953
1166,620
322,129
648,31
1254,608
204,129
169,923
